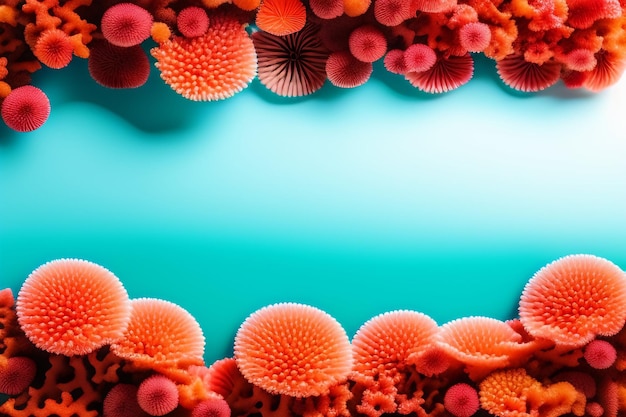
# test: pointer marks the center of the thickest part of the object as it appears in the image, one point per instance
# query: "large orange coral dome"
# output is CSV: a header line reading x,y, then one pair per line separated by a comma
x,y
214,66
388,342
293,349
72,307
573,299
160,333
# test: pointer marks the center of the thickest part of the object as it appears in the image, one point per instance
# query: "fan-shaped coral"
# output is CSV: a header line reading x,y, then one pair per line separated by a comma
x,y
160,334
292,65
573,299
525,76
72,307
211,67
126,24
448,73
388,342
293,349
281,17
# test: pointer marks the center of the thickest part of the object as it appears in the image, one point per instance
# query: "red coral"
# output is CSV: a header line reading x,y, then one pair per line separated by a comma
x,y
525,76
157,395
345,71
447,74
461,400
192,21
25,109
600,354
16,375
367,43
281,17
126,24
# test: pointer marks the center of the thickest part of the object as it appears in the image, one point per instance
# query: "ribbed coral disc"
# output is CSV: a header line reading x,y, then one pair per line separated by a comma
x,y
72,307
525,76
445,75
160,332
293,349
281,17
385,342
573,299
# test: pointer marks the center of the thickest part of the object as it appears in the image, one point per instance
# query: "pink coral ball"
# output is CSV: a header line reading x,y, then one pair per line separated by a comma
x,y
345,71
600,354
461,400
367,43
419,58
192,21
25,109
126,24
157,395
475,36
394,62
211,408
121,401
17,375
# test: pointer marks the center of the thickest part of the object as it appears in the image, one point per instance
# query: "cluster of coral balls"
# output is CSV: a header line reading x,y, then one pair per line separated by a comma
x,y
211,49
72,344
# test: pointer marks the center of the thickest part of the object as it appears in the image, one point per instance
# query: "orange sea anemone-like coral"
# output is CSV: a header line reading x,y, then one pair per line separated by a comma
x,y
573,299
72,307
54,48
211,67
25,109
160,333
293,349
386,343
504,393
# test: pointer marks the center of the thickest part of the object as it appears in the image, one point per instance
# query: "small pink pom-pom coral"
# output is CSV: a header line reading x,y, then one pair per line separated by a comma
x,y
157,395
211,408
17,375
600,354
25,109
367,43
419,58
345,71
121,401
475,37
394,62
126,24
461,400
192,21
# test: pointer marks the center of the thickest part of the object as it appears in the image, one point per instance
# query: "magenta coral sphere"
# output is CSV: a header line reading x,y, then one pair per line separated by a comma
x,y
475,36
157,395
126,24
211,408
192,21
419,58
16,375
25,109
600,354
461,400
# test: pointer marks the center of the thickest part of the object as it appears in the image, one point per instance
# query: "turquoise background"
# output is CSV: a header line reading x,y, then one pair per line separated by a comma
x,y
356,201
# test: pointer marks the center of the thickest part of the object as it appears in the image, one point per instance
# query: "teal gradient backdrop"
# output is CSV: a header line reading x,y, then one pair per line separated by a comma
x,y
356,201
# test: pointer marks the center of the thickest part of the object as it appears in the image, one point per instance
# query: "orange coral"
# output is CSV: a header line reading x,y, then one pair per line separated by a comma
x,y
505,393
227,66
386,343
573,299
293,349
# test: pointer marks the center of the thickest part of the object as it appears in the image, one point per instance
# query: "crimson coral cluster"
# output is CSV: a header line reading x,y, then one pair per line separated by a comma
x,y
205,52
72,344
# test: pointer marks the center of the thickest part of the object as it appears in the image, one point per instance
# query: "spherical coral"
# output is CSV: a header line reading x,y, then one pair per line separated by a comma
x,y
16,375
25,109
72,307
211,67
419,58
121,401
573,299
386,342
461,400
117,67
367,43
126,24
600,354
345,71
292,65
281,17
192,21
394,62
161,333
327,9
211,408
293,349
447,74
475,36
392,12
157,395
525,76
54,48
580,59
